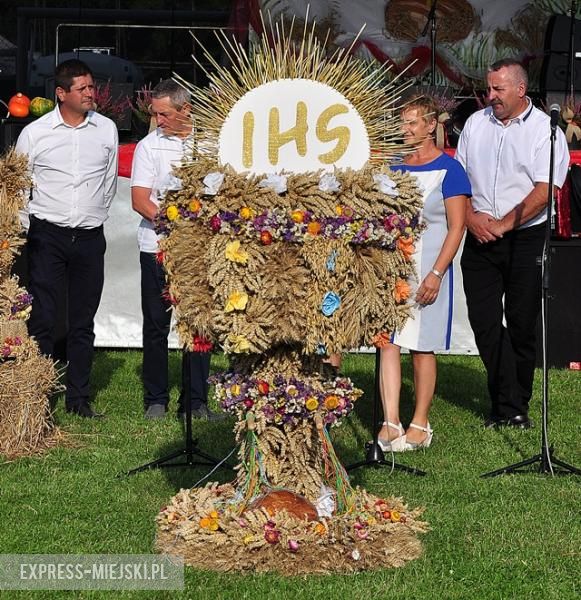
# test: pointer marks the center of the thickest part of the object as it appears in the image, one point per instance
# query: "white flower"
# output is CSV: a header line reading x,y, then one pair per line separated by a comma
x,y
385,184
169,183
329,183
212,183
325,503
276,182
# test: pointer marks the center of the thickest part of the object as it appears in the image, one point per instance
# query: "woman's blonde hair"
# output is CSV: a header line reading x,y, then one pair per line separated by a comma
x,y
425,105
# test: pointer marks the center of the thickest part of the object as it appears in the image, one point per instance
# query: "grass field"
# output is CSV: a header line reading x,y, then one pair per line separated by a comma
x,y
508,537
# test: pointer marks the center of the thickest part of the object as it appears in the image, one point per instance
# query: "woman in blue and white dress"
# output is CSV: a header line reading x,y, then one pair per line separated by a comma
x,y
428,329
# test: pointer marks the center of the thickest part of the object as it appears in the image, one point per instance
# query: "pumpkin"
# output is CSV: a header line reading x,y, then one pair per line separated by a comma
x,y
20,98
18,105
40,106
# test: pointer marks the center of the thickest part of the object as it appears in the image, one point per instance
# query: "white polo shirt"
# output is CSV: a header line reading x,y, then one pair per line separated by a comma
x,y
74,169
504,162
155,157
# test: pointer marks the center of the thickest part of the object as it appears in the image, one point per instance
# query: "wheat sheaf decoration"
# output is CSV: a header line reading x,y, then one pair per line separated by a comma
x,y
286,238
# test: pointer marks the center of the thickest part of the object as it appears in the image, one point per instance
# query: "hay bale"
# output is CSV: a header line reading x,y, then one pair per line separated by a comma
x,y
26,424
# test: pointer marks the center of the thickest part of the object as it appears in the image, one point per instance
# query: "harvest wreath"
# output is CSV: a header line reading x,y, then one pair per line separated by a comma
x,y
281,247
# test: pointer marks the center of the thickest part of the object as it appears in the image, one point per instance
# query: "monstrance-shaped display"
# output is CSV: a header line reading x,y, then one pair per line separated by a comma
x,y
287,238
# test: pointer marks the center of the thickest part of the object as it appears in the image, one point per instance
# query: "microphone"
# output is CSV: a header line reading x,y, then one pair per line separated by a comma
x,y
555,112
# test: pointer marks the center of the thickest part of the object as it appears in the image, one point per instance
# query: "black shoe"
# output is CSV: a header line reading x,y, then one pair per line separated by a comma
x,y
155,411
494,422
203,413
520,422
84,410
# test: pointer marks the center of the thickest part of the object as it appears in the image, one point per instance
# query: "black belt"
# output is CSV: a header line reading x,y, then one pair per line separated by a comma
x,y
77,231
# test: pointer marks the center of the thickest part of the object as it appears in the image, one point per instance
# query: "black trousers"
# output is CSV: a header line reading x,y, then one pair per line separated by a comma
x,y
156,310
60,257
506,270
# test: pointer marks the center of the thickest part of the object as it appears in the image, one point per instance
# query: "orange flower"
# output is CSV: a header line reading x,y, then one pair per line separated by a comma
x,y
320,529
314,228
406,246
381,340
331,402
402,290
195,205
5,245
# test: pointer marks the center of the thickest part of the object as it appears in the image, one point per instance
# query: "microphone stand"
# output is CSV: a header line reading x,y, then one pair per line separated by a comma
x,y
374,456
190,451
432,20
545,459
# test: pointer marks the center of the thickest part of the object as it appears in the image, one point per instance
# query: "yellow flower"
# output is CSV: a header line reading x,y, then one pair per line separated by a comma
x,y
331,402
236,301
195,205
339,210
235,389
298,216
234,253
172,212
312,403
248,539
238,343
246,212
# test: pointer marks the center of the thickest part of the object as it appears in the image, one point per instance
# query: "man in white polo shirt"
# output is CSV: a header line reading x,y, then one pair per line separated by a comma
x,y
151,176
72,153
505,150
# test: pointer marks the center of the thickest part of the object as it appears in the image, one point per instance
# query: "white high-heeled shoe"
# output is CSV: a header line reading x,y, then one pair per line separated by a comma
x,y
398,444
425,443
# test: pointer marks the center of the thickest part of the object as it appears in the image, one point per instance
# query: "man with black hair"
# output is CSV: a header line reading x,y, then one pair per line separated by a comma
x,y
72,153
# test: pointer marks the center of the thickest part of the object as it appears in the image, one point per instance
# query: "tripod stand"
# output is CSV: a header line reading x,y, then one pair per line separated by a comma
x,y
374,456
545,458
190,451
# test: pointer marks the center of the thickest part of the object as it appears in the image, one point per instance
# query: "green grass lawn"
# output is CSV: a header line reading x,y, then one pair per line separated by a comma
x,y
507,537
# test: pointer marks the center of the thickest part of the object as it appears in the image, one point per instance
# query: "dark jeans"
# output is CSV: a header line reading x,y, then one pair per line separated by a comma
x,y
506,268
71,257
156,324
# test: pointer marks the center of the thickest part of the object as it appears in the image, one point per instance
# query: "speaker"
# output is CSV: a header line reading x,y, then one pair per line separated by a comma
x,y
558,35
10,129
564,306
557,61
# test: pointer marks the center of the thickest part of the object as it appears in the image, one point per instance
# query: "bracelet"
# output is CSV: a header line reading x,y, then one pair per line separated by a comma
x,y
437,273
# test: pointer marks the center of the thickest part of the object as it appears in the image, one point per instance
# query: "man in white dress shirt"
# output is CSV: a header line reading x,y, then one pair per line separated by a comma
x,y
505,150
151,176
72,154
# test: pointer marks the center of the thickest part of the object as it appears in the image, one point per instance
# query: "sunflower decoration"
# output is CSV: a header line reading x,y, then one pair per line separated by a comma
x,y
287,239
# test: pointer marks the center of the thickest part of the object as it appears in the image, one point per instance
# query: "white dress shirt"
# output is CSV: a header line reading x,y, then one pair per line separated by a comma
x,y
74,169
504,162
155,157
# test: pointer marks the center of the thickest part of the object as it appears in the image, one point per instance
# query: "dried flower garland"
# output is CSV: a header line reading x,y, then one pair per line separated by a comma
x,y
282,400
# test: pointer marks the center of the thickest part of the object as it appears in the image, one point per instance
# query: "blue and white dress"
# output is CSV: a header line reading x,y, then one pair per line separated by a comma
x,y
429,327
